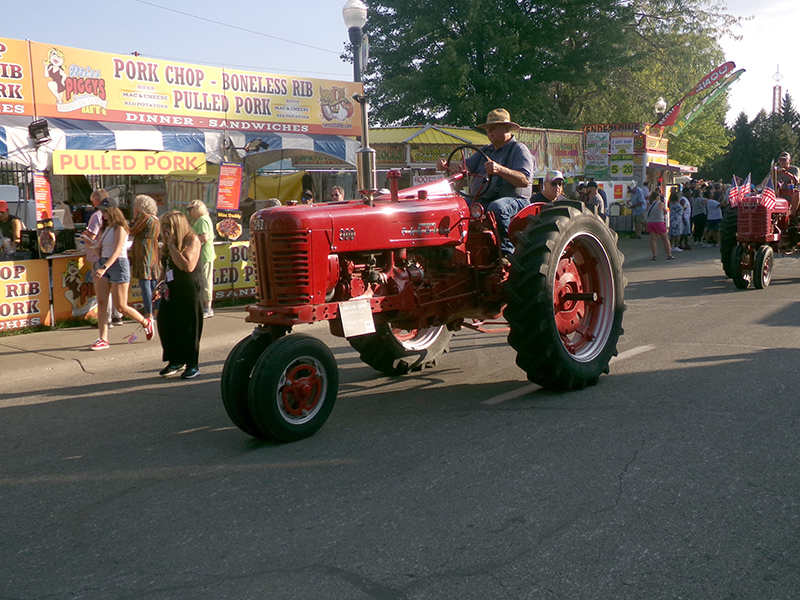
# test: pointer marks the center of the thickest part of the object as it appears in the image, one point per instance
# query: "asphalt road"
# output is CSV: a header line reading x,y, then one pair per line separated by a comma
x,y
675,477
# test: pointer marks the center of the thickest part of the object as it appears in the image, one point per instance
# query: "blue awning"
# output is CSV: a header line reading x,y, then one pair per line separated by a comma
x,y
70,134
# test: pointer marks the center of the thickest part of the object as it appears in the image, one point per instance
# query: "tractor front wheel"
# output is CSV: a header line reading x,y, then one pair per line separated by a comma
x,y
397,351
741,267
293,388
762,267
565,297
235,381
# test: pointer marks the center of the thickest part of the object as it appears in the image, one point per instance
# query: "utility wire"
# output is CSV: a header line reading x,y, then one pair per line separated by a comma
x,y
237,27
280,71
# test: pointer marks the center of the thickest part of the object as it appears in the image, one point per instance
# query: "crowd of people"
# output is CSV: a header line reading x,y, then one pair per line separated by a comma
x,y
692,211
173,261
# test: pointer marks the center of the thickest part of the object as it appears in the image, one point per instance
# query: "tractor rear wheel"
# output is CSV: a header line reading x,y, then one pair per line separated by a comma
x,y
565,297
293,387
235,381
397,351
727,237
741,267
762,267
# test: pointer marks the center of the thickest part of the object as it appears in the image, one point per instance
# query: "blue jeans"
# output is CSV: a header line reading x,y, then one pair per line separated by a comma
x,y
504,210
147,287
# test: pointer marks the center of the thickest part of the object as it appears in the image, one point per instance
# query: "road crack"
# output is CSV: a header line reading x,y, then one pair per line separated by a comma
x,y
624,472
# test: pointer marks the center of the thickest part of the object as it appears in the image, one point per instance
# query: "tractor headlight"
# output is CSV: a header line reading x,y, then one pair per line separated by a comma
x,y
476,210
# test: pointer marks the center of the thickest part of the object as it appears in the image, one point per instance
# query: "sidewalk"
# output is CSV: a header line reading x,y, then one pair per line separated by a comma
x,y
25,357
31,355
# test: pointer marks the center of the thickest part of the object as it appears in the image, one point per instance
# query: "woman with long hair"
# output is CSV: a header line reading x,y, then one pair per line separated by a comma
x,y
113,273
145,263
180,313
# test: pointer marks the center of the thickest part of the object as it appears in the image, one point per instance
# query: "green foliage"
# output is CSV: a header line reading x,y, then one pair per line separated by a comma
x,y
454,61
551,63
790,115
704,139
755,144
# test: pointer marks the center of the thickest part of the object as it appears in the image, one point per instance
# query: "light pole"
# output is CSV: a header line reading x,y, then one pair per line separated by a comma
x,y
354,14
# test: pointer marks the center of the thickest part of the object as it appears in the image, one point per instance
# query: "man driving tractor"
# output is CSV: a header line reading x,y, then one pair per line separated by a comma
x,y
787,173
508,165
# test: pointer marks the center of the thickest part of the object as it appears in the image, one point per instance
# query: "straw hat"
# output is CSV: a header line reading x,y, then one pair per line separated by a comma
x,y
499,116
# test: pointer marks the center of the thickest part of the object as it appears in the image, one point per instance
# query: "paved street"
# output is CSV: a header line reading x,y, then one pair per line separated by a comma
x,y
675,477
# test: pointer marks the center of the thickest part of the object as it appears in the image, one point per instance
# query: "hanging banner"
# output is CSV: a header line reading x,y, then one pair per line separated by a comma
x,y
126,162
24,294
536,141
681,125
73,288
234,274
565,152
83,84
713,78
16,82
597,155
621,155
230,186
44,201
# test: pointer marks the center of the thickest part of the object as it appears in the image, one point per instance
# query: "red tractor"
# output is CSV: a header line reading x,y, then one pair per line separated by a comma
x,y
396,275
752,232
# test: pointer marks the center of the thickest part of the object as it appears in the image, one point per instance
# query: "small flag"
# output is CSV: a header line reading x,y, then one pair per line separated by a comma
x,y
768,195
744,193
734,194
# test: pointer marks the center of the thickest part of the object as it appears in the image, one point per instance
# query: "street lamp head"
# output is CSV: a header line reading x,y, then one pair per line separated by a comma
x,y
661,105
354,14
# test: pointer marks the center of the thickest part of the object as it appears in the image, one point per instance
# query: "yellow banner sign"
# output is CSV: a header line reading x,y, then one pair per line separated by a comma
x,y
24,294
16,84
82,84
126,162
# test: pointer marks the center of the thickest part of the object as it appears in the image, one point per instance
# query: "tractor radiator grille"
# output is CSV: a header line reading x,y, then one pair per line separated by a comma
x,y
754,222
284,267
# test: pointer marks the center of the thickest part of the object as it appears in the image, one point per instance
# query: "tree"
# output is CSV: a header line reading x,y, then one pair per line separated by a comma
x,y
771,136
551,63
453,61
704,139
739,159
754,145
790,115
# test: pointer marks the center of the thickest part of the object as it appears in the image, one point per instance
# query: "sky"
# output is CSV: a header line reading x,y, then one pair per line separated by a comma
x,y
307,37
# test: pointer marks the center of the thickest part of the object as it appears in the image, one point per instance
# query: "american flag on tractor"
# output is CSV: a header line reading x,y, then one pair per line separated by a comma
x,y
768,195
734,194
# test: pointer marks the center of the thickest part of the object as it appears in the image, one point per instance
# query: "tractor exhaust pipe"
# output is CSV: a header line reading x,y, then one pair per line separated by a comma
x,y
367,178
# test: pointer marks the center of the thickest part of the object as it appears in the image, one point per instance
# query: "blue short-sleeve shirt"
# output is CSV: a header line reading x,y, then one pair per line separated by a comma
x,y
512,155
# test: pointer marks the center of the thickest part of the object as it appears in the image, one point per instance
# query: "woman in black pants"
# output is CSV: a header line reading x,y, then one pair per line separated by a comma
x,y
180,315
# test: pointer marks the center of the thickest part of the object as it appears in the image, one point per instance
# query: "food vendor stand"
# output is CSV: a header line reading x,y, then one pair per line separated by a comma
x,y
106,116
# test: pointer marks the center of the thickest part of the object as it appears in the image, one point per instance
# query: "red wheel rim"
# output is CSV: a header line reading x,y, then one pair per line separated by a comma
x,y
583,297
301,390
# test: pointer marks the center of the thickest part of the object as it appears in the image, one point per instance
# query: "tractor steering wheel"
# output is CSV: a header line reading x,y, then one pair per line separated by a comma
x,y
466,175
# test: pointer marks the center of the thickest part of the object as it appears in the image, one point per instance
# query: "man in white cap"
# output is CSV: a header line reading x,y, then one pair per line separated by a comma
x,y
552,188
508,169
637,202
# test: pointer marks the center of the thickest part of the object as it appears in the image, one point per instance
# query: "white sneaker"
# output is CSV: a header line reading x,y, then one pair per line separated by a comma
x,y
676,249
208,313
